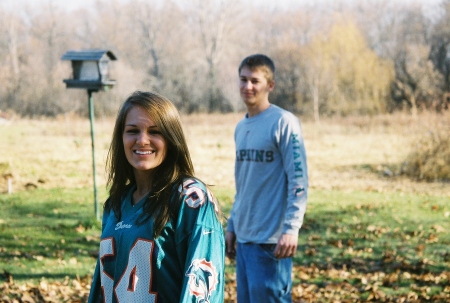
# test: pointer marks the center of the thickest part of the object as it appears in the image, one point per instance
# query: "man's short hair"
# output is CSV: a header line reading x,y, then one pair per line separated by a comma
x,y
259,61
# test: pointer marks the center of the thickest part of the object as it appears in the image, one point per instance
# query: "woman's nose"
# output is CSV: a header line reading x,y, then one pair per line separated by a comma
x,y
143,138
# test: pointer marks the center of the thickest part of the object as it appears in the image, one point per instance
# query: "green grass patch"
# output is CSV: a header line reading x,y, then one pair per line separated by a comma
x,y
373,231
369,242
48,233
384,245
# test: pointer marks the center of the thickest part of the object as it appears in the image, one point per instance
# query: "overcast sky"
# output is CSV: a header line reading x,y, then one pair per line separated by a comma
x,y
74,4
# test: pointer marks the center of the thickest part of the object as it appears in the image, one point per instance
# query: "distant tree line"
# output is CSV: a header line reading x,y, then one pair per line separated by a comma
x,y
338,58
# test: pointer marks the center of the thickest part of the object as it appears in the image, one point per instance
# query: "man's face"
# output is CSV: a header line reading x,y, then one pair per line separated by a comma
x,y
254,87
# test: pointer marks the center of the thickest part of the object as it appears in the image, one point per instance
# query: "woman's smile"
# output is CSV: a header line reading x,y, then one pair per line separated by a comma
x,y
144,152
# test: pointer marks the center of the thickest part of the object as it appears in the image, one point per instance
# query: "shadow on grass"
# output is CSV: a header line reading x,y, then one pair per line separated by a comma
x,y
43,227
375,232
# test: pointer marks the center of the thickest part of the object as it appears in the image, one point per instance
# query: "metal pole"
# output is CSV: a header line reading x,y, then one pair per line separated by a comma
x,y
91,118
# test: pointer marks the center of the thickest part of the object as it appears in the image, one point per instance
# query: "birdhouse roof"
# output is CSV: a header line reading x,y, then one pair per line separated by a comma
x,y
86,55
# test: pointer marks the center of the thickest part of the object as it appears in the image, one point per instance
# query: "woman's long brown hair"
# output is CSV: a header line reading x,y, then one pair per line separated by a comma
x,y
177,165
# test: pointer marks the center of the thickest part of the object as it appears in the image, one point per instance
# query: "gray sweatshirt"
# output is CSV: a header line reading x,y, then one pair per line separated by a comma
x,y
271,177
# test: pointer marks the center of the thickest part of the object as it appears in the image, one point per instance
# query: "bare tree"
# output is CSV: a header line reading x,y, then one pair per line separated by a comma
x,y
12,34
417,82
48,41
159,29
289,64
440,51
214,22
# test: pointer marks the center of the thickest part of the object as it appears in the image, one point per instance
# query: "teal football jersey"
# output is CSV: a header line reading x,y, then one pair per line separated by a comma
x,y
185,263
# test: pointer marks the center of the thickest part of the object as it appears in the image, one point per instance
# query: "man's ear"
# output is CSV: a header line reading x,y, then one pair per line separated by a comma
x,y
271,85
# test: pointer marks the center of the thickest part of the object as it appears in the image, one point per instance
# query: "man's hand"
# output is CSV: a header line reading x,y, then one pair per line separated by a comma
x,y
286,246
230,244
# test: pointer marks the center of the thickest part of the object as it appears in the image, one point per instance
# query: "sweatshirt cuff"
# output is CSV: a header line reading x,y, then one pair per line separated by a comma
x,y
290,230
230,226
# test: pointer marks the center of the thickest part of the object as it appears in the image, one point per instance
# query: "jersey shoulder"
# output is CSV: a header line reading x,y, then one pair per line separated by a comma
x,y
196,194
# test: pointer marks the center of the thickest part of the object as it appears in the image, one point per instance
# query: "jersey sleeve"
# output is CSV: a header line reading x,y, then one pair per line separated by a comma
x,y
95,295
201,240
292,149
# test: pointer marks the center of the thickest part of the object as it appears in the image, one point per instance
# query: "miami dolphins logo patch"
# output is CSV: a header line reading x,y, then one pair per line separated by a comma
x,y
299,191
195,197
203,279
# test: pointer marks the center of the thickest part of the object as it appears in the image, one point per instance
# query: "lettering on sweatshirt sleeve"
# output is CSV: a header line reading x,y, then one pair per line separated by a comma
x,y
298,169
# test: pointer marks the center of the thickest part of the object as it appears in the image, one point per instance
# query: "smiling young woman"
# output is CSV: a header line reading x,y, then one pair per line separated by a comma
x,y
162,239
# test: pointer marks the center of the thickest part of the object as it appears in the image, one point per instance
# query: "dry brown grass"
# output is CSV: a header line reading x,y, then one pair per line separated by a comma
x,y
356,153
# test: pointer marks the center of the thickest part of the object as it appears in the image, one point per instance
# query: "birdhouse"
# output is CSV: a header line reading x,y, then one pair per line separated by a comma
x,y
90,69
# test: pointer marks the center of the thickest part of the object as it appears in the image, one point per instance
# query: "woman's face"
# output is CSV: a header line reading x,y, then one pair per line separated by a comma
x,y
145,147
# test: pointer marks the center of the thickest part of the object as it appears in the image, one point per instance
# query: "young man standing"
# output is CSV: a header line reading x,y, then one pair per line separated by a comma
x,y
271,189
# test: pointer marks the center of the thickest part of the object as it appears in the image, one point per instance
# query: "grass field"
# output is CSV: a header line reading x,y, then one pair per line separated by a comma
x,y
370,233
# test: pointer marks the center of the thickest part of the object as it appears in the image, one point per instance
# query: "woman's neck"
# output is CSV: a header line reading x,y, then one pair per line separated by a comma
x,y
139,194
144,184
